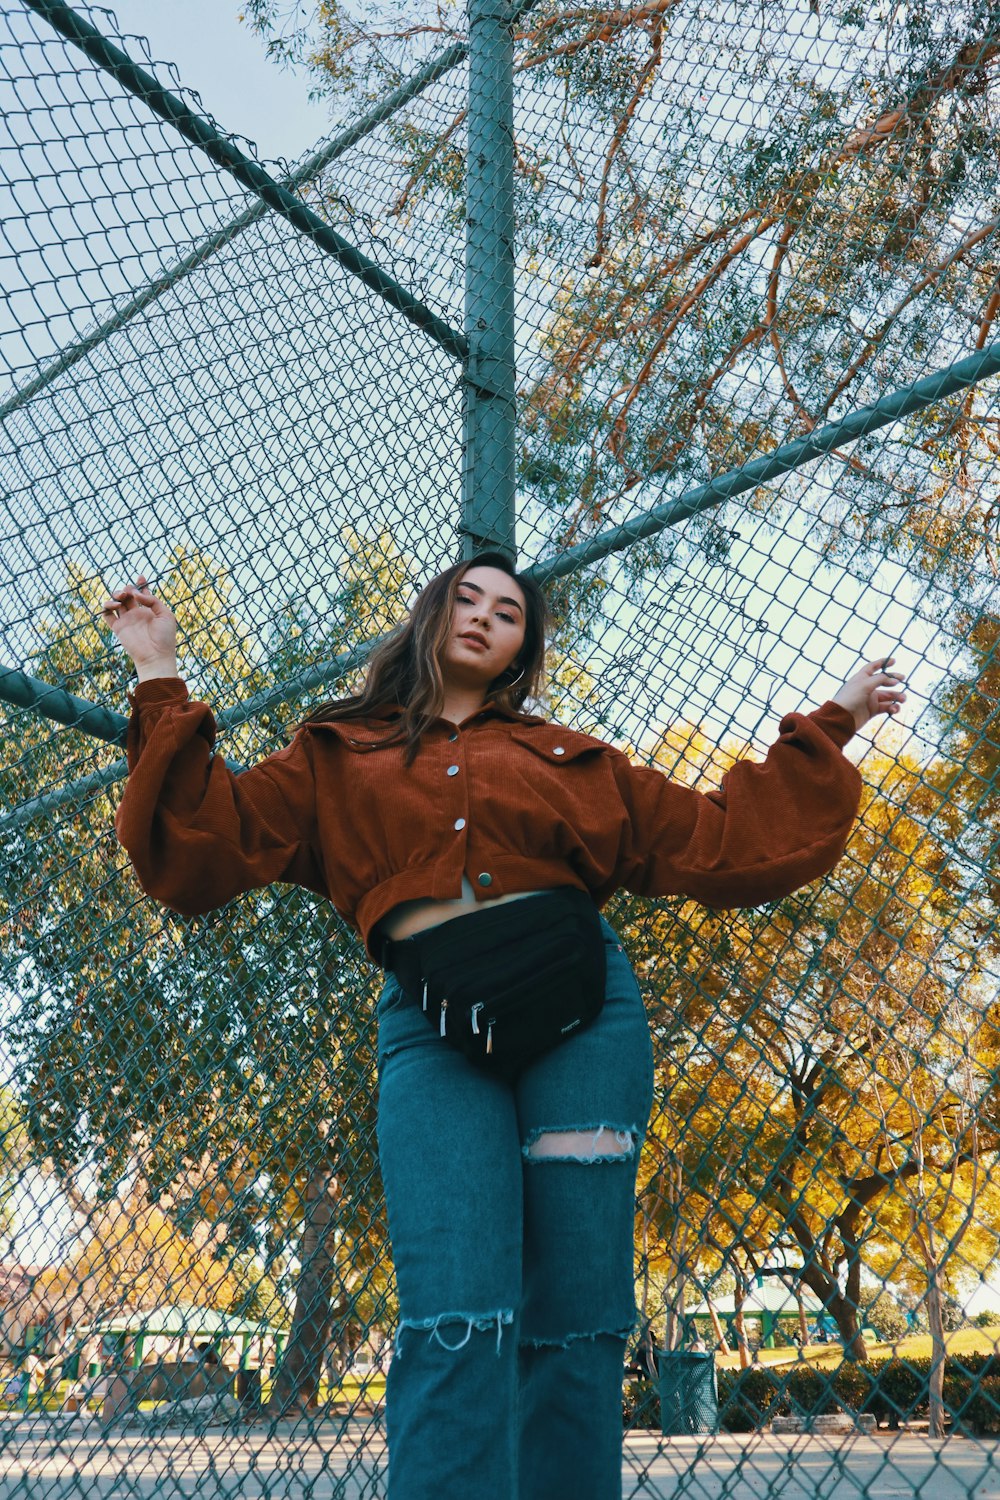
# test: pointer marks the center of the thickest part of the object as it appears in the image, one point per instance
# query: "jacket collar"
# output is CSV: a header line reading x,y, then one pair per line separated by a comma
x,y
356,728
488,711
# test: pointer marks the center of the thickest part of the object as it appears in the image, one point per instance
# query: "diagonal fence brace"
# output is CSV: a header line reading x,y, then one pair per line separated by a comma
x,y
832,435
248,173
436,67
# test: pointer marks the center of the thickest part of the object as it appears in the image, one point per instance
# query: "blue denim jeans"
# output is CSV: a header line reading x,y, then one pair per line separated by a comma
x,y
514,1269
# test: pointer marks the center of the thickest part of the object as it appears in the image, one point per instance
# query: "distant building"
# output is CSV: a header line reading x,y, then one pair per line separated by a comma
x,y
768,1306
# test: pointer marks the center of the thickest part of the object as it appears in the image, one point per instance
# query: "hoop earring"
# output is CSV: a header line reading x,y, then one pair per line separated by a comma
x,y
513,681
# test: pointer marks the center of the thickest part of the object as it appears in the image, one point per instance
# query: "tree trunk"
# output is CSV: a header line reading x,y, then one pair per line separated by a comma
x,y
297,1379
845,1315
739,1297
722,1343
675,1316
803,1325
840,1306
935,1317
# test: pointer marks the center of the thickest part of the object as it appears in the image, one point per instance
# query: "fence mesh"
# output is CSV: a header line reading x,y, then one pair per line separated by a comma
x,y
734,226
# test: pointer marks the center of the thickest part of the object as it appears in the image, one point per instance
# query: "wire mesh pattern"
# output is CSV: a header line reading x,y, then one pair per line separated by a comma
x,y
735,227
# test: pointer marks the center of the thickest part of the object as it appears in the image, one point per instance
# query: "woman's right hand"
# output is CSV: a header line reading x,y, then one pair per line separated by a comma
x,y
145,628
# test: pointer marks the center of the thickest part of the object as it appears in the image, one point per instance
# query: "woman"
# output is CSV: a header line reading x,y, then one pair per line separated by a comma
x,y
458,834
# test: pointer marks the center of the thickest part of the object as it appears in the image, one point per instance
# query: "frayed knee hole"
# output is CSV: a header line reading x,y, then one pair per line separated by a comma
x,y
583,1145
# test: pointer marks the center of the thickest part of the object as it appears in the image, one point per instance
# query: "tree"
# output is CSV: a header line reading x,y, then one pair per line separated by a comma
x,y
14,1156
796,1037
230,1055
130,1256
718,280
887,1318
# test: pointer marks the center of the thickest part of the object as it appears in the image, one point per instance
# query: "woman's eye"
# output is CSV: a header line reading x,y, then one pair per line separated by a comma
x,y
508,618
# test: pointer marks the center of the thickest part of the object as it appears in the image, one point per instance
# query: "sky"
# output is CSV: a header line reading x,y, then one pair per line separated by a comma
x,y
219,57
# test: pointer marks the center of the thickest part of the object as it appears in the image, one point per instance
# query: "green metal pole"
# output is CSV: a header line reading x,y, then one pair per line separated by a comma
x,y
488,471
55,703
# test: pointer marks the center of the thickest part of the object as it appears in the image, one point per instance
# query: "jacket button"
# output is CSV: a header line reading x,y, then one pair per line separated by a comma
x,y
453,735
459,824
486,878
558,750
452,770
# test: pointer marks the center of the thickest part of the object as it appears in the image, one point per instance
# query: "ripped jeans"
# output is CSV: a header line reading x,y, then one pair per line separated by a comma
x,y
511,1213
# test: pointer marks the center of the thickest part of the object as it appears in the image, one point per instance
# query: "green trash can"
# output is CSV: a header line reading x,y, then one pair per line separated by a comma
x,y
689,1393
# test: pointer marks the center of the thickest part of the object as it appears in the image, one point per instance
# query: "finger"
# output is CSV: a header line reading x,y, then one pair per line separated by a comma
x,y
132,595
111,607
124,598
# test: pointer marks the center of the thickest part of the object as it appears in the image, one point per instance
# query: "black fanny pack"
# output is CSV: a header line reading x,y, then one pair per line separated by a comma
x,y
507,983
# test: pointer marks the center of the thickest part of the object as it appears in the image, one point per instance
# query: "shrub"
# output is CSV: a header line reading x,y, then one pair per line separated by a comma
x,y
747,1399
641,1405
966,1378
894,1391
899,1390
852,1384
809,1392
981,1414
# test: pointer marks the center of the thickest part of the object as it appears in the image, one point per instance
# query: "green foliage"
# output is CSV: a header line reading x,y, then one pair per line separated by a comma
x,y
641,1406
887,1318
981,1412
894,1391
227,1060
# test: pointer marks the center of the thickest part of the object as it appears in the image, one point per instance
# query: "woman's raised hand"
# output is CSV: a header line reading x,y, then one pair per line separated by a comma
x,y
873,690
145,628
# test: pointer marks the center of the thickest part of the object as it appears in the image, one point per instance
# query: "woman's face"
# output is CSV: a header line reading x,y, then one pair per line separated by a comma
x,y
487,627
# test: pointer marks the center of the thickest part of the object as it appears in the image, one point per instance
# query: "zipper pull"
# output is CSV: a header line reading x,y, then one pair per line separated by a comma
x,y
475,1018
489,1039
424,1005
444,1007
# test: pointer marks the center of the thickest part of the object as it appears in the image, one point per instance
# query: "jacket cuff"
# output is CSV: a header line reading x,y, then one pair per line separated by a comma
x,y
158,692
835,721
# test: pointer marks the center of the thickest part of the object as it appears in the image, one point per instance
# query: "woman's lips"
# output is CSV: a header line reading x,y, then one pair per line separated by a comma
x,y
474,640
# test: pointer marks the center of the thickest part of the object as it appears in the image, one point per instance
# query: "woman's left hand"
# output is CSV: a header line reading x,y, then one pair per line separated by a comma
x,y
873,690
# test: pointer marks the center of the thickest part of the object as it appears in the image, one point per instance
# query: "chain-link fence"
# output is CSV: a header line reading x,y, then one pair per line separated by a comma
x,y
754,294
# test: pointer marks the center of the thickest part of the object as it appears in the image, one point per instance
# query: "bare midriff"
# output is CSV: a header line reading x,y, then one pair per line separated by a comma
x,y
416,916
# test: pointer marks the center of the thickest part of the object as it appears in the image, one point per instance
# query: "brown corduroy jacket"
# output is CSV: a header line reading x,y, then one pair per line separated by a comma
x,y
513,801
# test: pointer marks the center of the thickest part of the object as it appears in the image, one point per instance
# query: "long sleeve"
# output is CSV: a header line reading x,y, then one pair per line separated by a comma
x,y
772,826
196,833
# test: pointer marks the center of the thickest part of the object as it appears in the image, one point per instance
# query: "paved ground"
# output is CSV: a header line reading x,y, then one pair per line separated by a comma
x,y
66,1459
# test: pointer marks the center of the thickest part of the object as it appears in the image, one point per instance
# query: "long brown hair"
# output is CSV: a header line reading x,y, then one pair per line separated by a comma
x,y
405,668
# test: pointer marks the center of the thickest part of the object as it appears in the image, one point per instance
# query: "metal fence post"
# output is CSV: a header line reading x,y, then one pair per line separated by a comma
x,y
488,455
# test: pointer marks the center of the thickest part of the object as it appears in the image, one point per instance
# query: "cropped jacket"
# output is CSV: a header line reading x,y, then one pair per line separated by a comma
x,y
512,801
